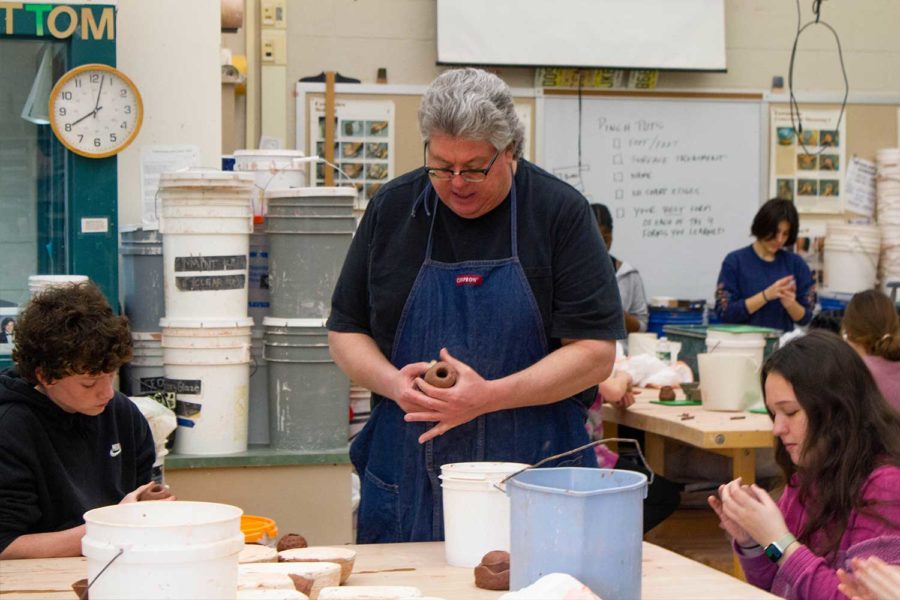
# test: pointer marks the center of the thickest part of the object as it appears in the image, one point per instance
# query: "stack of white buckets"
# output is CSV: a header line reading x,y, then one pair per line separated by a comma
x,y
206,220
851,257
888,207
309,232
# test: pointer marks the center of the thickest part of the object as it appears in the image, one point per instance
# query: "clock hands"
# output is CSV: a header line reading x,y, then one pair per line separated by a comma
x,y
97,107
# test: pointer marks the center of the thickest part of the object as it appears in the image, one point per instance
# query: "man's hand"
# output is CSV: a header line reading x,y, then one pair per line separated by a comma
x,y
450,407
405,393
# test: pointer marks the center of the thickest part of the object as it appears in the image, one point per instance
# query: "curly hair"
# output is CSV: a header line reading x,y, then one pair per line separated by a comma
x,y
68,330
851,430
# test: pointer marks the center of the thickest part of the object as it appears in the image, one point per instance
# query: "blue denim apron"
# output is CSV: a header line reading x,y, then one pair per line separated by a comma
x,y
484,313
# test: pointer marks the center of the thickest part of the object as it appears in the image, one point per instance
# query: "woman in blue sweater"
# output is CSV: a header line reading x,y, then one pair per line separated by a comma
x,y
764,284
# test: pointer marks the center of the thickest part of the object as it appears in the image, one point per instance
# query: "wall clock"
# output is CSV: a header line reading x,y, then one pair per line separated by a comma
x,y
95,110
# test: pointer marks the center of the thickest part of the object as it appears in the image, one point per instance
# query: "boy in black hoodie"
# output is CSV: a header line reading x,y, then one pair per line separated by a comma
x,y
68,441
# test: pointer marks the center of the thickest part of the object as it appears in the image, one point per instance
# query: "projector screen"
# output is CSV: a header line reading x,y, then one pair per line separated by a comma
x,y
626,34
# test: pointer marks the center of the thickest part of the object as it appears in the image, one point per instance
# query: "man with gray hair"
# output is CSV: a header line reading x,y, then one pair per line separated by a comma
x,y
493,265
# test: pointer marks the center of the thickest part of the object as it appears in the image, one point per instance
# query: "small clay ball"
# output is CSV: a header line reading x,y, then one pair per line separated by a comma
x,y
80,587
493,571
666,393
291,540
154,492
441,375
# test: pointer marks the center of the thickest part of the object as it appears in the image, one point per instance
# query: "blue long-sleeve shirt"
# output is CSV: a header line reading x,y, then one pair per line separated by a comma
x,y
744,274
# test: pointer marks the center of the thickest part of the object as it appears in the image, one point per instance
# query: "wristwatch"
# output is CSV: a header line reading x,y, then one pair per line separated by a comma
x,y
776,549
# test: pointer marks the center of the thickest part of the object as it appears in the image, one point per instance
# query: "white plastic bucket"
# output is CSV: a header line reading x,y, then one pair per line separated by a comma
x,y
144,374
206,219
641,343
207,368
476,510
271,169
724,342
729,381
168,550
38,283
851,257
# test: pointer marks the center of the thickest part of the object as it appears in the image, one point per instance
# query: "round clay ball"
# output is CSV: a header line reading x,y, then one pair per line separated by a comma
x,y
666,393
291,540
493,571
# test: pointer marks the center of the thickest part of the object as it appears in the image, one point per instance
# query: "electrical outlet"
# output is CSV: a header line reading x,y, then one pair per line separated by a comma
x,y
273,13
274,46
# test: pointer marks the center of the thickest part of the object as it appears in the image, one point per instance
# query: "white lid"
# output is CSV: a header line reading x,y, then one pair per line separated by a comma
x,y
269,152
318,192
205,323
279,322
481,470
206,176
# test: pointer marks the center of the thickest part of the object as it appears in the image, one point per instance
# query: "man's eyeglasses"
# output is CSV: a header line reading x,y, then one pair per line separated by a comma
x,y
470,175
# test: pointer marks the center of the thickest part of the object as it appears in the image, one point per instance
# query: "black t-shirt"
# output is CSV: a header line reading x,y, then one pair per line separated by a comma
x,y
562,254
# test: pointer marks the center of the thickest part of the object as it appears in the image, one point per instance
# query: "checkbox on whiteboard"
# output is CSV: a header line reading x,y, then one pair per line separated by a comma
x,y
617,143
620,213
619,194
617,176
617,159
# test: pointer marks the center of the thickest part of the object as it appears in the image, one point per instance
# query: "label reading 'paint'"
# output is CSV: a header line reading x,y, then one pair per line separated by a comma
x,y
210,283
210,263
183,386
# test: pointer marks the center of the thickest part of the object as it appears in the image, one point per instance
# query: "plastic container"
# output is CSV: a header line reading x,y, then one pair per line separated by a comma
x,y
259,530
641,343
272,169
207,367
662,316
39,283
258,418
729,381
476,510
206,219
664,350
693,340
309,396
168,550
584,522
142,277
145,374
851,257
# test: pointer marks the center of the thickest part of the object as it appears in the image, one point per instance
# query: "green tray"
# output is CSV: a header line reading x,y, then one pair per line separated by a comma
x,y
677,402
758,411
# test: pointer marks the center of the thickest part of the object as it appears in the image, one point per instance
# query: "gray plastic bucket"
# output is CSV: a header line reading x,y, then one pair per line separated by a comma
x,y
142,277
305,259
258,418
584,522
308,393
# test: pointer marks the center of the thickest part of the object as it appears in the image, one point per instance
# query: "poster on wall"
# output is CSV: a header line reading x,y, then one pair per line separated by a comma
x,y
808,166
363,144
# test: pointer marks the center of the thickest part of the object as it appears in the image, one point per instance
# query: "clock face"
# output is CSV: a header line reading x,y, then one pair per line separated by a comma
x,y
95,110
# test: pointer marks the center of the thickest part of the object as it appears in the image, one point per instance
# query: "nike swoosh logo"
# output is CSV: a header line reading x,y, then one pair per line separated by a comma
x,y
115,450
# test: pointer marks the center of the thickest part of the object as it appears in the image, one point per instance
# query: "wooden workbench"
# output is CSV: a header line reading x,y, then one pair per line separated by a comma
x,y
736,435
665,575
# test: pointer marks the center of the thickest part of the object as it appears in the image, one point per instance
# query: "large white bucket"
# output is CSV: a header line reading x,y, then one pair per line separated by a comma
x,y
206,219
168,550
851,257
724,342
476,510
207,368
641,343
729,381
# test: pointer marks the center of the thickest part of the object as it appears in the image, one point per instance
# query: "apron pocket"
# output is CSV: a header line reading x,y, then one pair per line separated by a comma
x,y
379,511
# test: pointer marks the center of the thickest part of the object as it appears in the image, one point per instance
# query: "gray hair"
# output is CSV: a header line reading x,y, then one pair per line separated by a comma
x,y
473,104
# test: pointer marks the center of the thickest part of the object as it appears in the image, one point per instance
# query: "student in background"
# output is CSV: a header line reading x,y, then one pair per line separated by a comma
x,y
68,441
764,284
631,286
872,328
839,448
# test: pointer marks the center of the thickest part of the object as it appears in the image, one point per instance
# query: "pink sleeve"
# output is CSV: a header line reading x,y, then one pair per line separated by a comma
x,y
809,577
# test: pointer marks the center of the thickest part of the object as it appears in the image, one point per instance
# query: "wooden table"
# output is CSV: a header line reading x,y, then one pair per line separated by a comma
x,y
665,575
736,435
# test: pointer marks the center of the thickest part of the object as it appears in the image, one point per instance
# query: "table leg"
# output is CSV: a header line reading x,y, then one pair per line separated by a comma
x,y
743,464
655,452
611,430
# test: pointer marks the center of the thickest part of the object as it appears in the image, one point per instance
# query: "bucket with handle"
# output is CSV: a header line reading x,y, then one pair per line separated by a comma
x,y
476,511
729,381
585,522
162,550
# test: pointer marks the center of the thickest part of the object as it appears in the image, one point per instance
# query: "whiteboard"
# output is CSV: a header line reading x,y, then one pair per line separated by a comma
x,y
682,178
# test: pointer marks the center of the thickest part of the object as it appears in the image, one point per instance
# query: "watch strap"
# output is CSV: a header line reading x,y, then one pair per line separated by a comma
x,y
776,549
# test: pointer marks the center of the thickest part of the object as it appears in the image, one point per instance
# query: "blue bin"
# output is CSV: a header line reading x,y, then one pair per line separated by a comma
x,y
581,521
